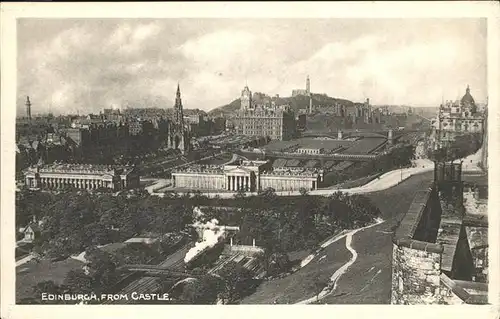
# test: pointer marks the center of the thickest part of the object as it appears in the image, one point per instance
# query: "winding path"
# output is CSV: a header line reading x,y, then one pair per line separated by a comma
x,y
330,288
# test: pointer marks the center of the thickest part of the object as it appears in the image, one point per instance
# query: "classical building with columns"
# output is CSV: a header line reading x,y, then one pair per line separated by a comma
x,y
246,175
81,176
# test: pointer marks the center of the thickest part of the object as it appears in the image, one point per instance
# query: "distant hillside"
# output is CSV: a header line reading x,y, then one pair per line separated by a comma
x,y
296,103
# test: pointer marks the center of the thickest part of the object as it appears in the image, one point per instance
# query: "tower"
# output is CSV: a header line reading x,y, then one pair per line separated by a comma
x,y
178,137
310,104
246,98
179,113
28,108
308,85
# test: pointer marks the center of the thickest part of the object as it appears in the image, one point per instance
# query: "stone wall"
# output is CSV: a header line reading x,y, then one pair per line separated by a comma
x,y
415,273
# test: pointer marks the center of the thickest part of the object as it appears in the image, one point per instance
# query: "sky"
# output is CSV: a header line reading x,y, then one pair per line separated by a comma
x,y
85,65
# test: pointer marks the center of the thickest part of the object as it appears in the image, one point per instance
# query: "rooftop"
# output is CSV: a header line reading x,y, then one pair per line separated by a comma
x,y
477,236
83,168
197,168
410,221
448,235
305,172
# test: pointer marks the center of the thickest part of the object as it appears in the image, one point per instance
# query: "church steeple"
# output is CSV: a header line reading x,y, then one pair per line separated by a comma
x,y
179,113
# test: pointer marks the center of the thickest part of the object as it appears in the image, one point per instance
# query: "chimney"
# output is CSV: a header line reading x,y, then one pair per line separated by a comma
x,y
231,241
253,242
389,137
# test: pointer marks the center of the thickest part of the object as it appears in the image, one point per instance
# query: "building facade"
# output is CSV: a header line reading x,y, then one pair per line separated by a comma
x,y
81,176
456,118
484,150
245,175
264,118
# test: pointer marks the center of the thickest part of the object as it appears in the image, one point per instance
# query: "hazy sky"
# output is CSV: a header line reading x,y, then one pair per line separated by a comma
x,y
85,65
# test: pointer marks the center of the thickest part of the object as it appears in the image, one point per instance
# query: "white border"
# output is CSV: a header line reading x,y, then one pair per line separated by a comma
x,y
438,9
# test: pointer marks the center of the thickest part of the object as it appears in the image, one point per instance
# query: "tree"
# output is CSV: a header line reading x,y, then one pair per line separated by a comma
x,y
303,191
268,194
76,281
237,280
101,268
48,287
240,194
278,262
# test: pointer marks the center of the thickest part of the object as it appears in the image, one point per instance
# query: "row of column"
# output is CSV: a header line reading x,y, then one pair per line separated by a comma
x,y
235,183
199,181
290,184
49,182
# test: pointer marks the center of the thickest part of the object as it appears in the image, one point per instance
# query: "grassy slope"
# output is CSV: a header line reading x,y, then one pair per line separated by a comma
x,y
301,284
360,284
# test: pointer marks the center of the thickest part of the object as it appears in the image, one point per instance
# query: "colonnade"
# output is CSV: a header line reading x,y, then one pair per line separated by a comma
x,y
59,183
287,184
235,182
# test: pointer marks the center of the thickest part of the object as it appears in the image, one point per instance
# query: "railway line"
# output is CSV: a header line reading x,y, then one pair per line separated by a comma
x,y
150,284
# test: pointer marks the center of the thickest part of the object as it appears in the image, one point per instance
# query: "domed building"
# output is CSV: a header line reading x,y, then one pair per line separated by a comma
x,y
456,118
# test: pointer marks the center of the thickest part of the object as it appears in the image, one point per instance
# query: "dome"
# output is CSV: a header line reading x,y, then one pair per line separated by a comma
x,y
467,98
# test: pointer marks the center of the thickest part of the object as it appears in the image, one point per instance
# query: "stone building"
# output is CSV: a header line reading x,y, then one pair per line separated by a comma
x,y
178,137
456,118
484,150
264,118
246,175
434,258
82,176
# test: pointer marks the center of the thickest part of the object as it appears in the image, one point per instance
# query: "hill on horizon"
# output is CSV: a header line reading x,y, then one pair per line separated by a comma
x,y
296,103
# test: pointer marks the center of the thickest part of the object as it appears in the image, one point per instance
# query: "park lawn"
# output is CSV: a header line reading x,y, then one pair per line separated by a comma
x,y
302,284
31,273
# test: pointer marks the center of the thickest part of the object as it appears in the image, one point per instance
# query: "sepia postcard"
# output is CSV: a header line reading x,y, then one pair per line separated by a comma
x,y
166,155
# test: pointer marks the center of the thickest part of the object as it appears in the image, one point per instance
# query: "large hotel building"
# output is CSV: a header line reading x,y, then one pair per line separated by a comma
x,y
81,176
264,118
246,175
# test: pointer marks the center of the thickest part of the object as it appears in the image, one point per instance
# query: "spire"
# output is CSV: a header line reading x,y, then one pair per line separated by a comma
x,y
179,113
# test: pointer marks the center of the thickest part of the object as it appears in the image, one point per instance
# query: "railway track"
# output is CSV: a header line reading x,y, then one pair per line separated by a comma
x,y
150,284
